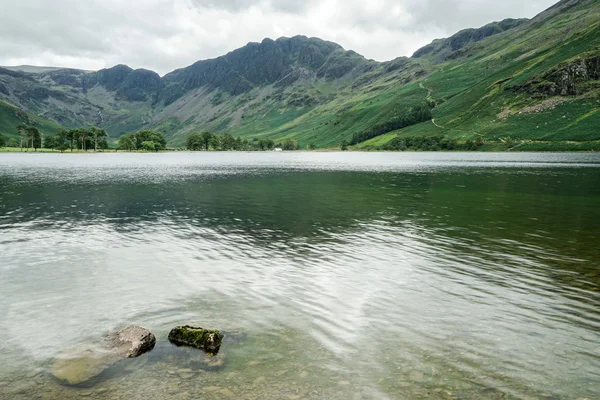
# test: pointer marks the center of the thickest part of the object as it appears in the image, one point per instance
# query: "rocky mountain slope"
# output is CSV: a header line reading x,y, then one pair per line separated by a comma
x,y
516,83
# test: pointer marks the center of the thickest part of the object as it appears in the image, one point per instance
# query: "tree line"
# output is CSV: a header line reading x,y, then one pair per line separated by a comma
x,y
226,142
146,140
411,116
430,143
84,139
30,138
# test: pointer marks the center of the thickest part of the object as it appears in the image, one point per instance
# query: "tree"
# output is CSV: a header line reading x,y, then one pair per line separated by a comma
x,y
33,135
160,143
148,146
262,144
312,146
290,144
448,144
195,141
61,139
84,136
245,144
206,137
344,145
2,141
214,142
22,130
50,142
72,138
127,142
238,144
12,142
227,142
100,137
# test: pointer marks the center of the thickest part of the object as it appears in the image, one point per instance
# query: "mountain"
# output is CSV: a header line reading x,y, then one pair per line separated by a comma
x,y
529,84
444,49
32,68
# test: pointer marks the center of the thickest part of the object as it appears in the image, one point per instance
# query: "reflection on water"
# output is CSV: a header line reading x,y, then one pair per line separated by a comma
x,y
396,276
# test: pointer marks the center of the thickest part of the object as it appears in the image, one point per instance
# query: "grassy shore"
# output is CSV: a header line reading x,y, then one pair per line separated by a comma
x,y
489,146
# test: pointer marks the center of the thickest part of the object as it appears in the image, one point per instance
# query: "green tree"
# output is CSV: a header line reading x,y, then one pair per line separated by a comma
x,y
34,137
312,146
206,137
149,146
50,142
2,141
344,145
448,144
160,143
127,142
214,142
238,144
227,142
194,142
83,135
290,144
72,136
99,137
12,142
22,131
61,139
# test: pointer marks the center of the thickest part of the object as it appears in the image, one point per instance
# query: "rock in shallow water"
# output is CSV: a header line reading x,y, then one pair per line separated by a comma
x,y
199,338
81,363
132,341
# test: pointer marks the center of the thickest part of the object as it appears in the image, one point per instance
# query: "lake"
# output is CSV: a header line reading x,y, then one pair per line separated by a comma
x,y
342,275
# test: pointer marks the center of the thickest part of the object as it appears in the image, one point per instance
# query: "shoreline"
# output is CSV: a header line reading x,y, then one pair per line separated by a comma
x,y
331,150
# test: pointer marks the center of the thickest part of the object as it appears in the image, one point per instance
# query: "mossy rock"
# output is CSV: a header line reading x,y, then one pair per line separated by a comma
x,y
199,338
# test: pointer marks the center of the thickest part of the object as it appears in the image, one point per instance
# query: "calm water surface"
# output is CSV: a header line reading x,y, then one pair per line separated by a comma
x,y
350,276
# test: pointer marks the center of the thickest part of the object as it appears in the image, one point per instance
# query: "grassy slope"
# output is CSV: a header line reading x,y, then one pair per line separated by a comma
x,y
11,116
473,92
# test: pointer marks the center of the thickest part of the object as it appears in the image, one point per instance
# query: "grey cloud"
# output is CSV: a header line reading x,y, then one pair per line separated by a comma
x,y
288,6
166,34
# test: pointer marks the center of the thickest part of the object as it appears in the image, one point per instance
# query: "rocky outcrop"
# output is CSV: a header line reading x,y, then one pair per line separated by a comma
x,y
82,363
568,79
199,338
126,83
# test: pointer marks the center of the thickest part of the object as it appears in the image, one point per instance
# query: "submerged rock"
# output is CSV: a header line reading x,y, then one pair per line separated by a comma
x,y
199,338
81,363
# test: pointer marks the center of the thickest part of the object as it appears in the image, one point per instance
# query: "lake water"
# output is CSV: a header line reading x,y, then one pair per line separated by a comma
x,y
343,275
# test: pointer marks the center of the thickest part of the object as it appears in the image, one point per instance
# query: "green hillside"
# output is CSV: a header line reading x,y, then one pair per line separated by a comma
x,y
11,116
514,84
538,84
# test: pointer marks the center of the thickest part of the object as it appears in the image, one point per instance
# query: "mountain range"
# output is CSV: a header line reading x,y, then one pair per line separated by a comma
x,y
528,84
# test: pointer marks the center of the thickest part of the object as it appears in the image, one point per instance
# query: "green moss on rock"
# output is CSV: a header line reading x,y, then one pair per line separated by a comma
x,y
199,338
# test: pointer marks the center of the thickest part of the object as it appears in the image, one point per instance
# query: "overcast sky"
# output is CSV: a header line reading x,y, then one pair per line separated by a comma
x,y
163,35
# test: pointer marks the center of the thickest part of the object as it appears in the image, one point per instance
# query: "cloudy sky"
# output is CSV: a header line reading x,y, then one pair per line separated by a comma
x,y
166,34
